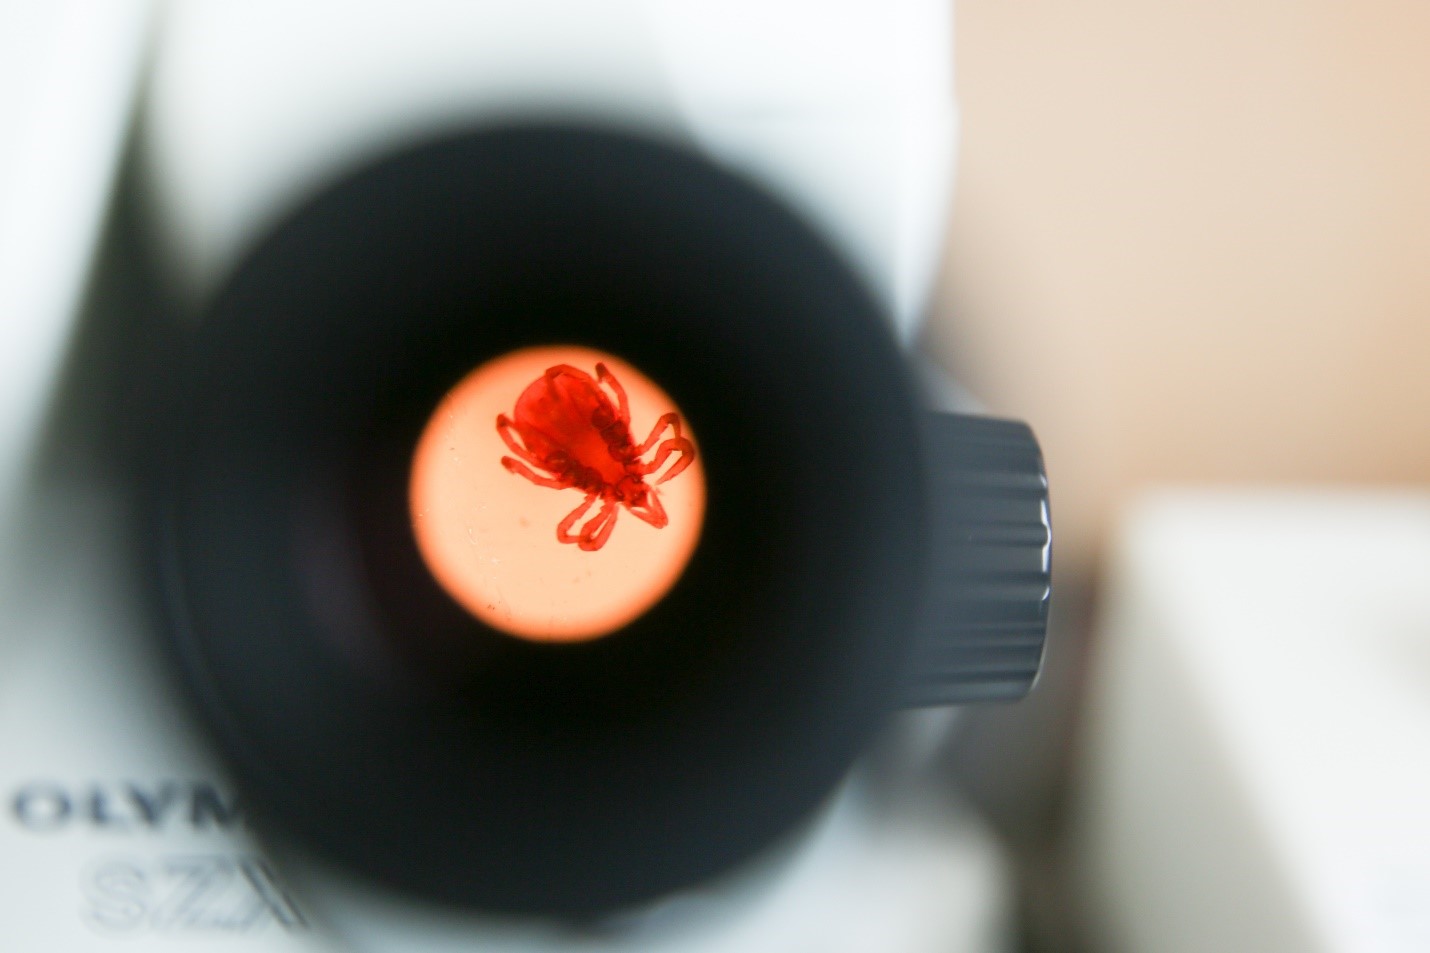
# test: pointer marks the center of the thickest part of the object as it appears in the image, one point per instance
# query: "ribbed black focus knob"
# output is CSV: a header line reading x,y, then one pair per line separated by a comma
x,y
986,617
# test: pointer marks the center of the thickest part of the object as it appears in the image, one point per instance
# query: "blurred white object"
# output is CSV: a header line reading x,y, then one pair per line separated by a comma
x,y
69,70
844,109
1257,769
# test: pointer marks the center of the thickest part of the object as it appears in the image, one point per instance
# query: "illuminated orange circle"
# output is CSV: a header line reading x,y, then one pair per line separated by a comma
x,y
490,535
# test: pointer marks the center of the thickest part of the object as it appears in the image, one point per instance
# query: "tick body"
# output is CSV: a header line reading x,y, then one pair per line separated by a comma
x,y
572,430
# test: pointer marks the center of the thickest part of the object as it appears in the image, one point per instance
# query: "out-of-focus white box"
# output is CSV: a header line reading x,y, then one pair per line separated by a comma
x,y
1256,768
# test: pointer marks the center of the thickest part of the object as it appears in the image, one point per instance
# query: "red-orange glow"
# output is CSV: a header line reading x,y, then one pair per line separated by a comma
x,y
492,533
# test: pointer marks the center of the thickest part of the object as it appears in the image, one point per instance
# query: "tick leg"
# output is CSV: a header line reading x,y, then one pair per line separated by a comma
x,y
563,529
505,428
671,420
604,375
653,512
521,469
679,445
595,533
566,370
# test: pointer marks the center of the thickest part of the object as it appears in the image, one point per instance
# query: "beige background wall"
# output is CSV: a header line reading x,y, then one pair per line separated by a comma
x,y
1192,241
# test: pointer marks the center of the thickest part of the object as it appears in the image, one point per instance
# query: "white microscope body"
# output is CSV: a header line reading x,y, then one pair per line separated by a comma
x,y
117,825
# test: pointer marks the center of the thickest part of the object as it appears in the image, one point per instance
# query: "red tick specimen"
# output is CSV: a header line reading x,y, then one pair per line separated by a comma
x,y
567,426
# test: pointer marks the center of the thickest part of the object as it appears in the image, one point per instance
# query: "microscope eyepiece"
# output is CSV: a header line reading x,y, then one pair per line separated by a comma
x,y
548,517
